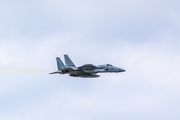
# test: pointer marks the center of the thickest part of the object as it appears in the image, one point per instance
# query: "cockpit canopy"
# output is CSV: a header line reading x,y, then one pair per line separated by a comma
x,y
108,65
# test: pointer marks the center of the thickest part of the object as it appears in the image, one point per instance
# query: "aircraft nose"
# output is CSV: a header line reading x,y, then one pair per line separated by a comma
x,y
121,70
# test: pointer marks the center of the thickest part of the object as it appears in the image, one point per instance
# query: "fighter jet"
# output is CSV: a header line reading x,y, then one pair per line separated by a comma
x,y
85,71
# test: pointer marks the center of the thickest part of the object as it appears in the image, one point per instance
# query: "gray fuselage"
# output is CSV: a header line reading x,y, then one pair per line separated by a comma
x,y
86,71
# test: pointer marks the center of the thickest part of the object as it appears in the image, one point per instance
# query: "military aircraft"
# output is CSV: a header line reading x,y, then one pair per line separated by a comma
x,y
85,71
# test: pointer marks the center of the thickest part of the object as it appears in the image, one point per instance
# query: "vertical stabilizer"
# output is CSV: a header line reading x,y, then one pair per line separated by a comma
x,y
60,64
68,61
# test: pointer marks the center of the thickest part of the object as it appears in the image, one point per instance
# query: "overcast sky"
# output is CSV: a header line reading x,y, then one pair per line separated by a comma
x,y
140,36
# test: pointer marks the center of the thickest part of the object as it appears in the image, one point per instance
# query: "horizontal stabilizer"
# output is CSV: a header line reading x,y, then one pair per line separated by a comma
x,y
57,72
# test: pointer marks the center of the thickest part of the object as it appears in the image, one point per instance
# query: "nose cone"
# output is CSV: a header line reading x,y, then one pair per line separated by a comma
x,y
121,70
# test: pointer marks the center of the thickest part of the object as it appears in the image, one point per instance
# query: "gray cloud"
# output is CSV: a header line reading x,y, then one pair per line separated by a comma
x,y
139,36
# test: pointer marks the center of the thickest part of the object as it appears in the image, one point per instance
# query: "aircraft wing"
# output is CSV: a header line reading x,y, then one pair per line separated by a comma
x,y
70,69
87,67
